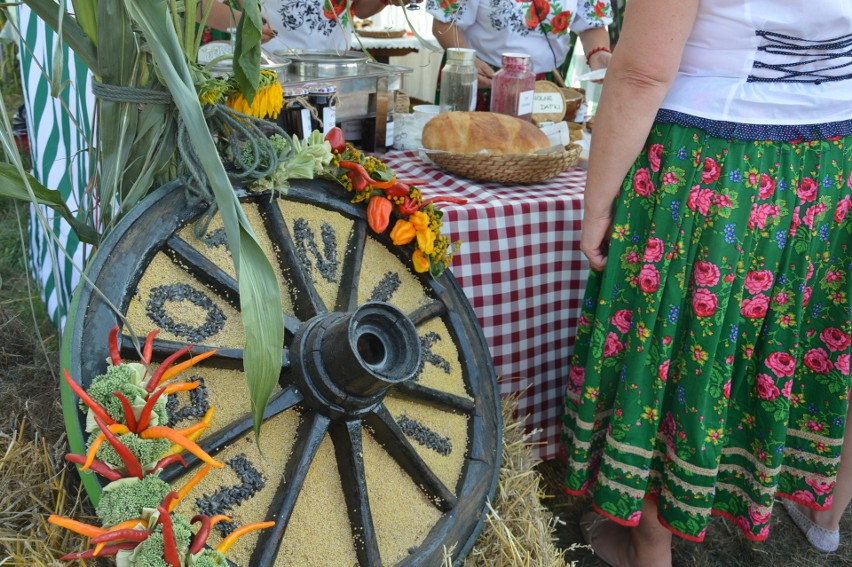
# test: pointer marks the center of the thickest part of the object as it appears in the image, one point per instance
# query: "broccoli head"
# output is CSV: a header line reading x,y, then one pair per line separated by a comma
x,y
147,451
127,379
149,553
124,499
207,558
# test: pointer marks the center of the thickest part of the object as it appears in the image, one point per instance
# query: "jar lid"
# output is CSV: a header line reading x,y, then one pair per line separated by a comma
x,y
515,55
460,55
321,88
294,91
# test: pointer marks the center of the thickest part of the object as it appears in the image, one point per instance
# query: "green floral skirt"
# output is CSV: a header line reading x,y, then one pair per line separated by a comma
x,y
711,368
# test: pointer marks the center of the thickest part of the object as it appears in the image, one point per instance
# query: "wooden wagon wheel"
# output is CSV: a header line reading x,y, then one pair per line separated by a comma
x,y
382,444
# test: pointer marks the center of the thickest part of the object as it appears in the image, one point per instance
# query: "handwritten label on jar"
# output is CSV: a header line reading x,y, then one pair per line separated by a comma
x,y
525,102
547,103
306,123
329,119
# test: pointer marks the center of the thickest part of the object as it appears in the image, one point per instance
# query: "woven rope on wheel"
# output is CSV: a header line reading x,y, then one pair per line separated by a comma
x,y
507,168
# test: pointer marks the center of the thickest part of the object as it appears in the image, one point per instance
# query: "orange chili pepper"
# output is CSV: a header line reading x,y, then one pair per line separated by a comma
x,y
96,444
81,528
378,213
160,432
226,543
181,387
184,490
174,371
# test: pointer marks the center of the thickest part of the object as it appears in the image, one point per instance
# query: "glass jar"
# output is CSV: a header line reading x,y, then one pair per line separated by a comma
x,y
458,81
295,117
323,97
513,86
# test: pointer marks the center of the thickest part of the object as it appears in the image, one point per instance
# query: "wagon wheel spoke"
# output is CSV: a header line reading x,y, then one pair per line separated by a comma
x,y
414,391
428,312
347,296
225,358
349,450
306,300
280,402
203,269
310,434
389,434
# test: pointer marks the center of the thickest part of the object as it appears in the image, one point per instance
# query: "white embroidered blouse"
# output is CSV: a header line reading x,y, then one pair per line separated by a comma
x,y
537,27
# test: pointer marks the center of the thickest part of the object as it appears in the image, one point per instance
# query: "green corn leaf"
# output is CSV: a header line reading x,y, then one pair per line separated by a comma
x,y
260,301
72,33
85,12
13,186
247,50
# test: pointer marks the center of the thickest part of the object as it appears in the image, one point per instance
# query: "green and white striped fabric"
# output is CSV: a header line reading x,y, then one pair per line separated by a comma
x,y
60,130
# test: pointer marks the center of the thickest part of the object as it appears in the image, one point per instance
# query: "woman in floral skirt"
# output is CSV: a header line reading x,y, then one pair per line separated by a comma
x,y
711,370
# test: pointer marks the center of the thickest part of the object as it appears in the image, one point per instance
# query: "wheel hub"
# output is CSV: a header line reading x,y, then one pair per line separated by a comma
x,y
345,363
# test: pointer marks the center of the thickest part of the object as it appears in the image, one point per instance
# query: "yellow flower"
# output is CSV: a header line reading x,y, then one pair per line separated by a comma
x,y
650,414
267,101
211,91
420,261
714,435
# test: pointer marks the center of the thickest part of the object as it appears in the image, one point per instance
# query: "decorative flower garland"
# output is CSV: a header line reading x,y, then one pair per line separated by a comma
x,y
418,222
127,407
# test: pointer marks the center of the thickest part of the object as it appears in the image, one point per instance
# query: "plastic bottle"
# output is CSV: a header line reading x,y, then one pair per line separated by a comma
x,y
458,80
513,87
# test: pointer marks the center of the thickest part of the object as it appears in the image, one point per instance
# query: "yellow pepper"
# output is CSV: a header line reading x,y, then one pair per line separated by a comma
x,y
420,220
426,241
402,233
420,261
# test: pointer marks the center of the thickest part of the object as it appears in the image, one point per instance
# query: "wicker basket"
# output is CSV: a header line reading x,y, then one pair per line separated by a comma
x,y
508,168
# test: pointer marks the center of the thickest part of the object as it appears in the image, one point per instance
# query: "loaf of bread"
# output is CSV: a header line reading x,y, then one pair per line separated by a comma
x,y
474,132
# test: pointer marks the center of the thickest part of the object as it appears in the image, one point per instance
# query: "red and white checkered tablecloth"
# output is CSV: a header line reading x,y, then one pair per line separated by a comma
x,y
521,268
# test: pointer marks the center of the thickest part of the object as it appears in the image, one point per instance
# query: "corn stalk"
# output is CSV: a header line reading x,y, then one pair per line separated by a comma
x,y
149,44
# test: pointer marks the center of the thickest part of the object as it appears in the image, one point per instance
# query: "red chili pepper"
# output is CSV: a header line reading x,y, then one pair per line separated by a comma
x,y
200,538
129,416
149,346
359,182
152,383
145,416
167,460
131,463
418,182
130,534
167,501
445,199
107,551
113,346
96,408
399,189
170,551
97,466
378,213
409,206
336,139
357,172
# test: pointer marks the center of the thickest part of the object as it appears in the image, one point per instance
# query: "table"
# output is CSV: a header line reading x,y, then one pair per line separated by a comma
x,y
382,49
521,268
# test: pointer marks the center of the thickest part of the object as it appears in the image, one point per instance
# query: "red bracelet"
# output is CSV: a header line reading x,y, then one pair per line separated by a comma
x,y
596,50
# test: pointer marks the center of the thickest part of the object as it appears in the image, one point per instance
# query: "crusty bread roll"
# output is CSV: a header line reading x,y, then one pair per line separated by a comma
x,y
472,132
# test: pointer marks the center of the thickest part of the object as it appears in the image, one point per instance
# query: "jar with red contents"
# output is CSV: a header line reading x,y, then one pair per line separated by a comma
x,y
513,87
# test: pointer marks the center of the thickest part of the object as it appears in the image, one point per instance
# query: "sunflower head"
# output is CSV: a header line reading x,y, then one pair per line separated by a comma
x,y
267,101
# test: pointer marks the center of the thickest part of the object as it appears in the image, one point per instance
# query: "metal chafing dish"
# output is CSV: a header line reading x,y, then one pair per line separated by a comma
x,y
366,90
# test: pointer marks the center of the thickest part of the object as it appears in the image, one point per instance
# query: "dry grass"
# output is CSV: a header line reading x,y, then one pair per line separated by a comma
x,y
519,530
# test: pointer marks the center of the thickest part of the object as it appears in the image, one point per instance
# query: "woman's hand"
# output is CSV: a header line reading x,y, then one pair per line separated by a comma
x,y
594,240
485,74
266,32
599,60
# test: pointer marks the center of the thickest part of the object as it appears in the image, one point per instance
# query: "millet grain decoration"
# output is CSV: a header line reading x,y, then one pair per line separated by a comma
x,y
162,270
